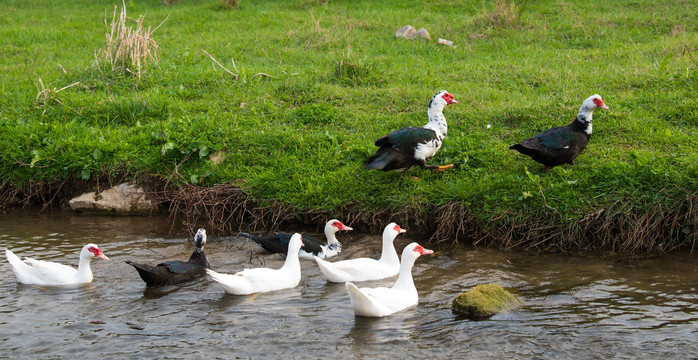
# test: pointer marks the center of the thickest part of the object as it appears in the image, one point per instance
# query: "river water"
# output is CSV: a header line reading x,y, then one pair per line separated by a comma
x,y
575,307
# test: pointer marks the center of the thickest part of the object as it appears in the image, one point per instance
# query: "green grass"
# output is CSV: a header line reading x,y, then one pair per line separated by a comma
x,y
338,79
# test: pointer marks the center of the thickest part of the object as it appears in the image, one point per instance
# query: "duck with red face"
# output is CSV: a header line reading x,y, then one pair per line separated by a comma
x,y
412,147
562,144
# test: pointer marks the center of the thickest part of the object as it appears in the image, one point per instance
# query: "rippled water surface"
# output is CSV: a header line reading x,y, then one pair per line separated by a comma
x,y
574,307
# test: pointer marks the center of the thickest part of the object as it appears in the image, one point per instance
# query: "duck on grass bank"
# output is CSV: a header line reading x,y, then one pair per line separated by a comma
x,y
364,269
409,147
48,273
562,144
278,242
250,281
383,301
175,272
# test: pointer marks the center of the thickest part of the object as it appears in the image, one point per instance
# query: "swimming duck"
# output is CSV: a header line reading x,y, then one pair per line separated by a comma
x,y
250,281
383,301
40,272
175,272
363,269
278,242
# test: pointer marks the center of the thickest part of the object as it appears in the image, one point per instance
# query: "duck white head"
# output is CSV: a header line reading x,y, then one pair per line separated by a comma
x,y
331,228
592,103
91,251
409,255
295,244
440,100
199,240
414,250
437,121
391,231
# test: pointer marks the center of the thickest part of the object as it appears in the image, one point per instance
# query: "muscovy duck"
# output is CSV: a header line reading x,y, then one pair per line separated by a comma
x,y
278,242
409,147
562,144
363,269
383,301
48,273
250,281
175,272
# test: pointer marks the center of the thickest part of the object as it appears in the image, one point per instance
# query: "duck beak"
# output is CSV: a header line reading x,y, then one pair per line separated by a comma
x,y
426,252
454,101
346,228
604,107
102,256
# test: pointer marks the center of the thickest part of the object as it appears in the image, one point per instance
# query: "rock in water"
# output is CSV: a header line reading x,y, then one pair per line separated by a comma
x,y
483,301
124,199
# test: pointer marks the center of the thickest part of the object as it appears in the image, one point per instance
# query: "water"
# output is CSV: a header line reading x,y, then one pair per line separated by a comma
x,y
574,307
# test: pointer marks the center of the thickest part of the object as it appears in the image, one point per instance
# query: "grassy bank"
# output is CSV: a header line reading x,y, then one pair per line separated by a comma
x,y
314,83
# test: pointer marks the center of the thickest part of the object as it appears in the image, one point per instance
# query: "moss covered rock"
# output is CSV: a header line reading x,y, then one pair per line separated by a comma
x,y
484,300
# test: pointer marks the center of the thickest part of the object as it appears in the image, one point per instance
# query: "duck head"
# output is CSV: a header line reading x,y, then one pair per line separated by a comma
x,y
392,230
414,250
441,99
199,240
335,225
91,251
594,102
295,243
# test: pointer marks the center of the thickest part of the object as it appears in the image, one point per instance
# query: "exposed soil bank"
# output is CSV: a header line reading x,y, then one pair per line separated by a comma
x,y
622,227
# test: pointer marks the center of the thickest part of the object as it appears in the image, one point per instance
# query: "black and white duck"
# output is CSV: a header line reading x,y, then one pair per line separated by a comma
x,y
410,147
562,144
278,242
174,272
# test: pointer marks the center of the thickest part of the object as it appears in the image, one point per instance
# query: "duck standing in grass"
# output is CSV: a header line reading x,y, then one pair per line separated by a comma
x,y
560,145
409,147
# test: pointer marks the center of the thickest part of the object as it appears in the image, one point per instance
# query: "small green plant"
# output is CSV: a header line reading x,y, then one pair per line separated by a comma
x,y
354,72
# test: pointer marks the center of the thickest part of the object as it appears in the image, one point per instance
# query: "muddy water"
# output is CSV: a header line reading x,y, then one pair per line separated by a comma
x,y
575,307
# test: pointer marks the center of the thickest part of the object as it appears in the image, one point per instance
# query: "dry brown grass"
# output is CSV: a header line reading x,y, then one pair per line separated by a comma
x,y
229,4
618,227
506,13
47,96
126,48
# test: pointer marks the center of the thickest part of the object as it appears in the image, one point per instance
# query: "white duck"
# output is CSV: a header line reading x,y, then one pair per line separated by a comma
x,y
382,301
250,281
39,272
363,269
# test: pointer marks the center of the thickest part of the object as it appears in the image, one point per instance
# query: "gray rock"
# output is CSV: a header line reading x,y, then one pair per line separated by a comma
x,y
125,199
422,34
407,32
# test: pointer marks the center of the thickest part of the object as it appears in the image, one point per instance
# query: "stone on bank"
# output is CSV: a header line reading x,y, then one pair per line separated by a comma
x,y
123,199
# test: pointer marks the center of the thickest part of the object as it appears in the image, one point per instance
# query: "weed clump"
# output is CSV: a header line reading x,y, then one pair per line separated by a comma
x,y
127,49
353,72
506,14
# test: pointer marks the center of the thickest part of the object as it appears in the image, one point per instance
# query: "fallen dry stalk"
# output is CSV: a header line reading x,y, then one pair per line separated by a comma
x,y
223,67
47,94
